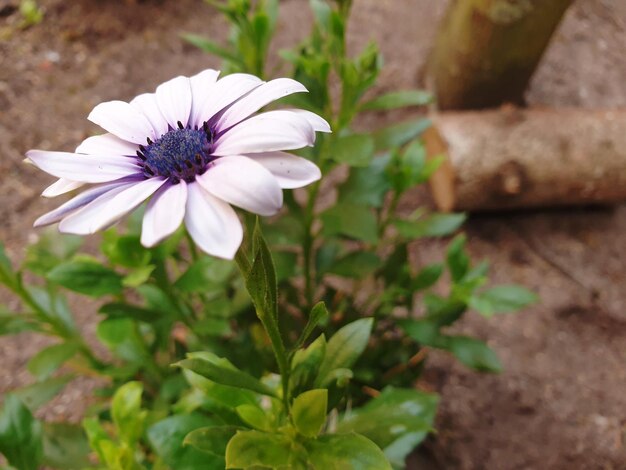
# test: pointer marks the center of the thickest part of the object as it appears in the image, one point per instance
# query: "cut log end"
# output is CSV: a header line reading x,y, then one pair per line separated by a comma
x,y
513,158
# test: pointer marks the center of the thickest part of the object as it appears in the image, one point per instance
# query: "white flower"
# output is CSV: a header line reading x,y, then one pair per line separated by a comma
x,y
194,147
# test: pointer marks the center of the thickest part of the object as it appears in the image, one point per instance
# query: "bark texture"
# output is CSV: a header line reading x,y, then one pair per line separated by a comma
x,y
487,50
515,158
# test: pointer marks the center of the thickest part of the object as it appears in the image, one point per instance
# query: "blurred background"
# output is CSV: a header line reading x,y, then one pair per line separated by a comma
x,y
560,403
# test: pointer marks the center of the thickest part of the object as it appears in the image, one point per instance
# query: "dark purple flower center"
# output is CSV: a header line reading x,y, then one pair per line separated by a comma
x,y
179,154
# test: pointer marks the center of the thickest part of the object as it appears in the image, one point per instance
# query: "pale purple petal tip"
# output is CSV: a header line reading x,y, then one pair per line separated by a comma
x,y
83,168
110,207
318,123
122,120
61,186
289,170
107,144
266,132
244,183
164,213
212,223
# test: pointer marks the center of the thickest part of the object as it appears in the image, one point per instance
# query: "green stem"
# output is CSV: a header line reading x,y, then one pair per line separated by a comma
x,y
270,325
59,328
308,245
393,204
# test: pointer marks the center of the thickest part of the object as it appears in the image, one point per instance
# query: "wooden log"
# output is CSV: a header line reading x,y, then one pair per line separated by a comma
x,y
516,158
487,50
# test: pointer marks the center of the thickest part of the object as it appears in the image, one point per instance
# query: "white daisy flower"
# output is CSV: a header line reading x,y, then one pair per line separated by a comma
x,y
192,148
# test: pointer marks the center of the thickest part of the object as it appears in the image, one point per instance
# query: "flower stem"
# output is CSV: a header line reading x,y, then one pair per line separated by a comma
x,y
270,324
308,246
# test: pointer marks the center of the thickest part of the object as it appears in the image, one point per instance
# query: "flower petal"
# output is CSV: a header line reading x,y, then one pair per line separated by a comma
x,y
83,168
266,132
201,85
212,223
289,170
110,207
174,100
244,183
123,120
76,203
147,105
224,92
164,213
61,186
318,123
256,99
107,144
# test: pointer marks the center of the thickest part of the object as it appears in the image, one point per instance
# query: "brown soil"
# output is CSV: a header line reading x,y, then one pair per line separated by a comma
x,y
561,403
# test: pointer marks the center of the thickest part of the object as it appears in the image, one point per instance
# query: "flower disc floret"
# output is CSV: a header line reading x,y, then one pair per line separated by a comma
x,y
179,154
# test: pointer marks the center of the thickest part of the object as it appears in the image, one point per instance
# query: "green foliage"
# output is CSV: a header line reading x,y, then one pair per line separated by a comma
x,y
250,388
309,412
86,276
20,435
222,371
31,13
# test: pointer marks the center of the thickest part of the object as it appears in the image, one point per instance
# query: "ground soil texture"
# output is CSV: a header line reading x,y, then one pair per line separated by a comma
x,y
561,403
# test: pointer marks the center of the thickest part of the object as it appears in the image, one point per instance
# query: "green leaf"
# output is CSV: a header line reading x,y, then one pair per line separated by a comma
x,y
53,308
308,412
366,186
319,313
473,353
458,262
87,277
502,299
427,277
212,439
125,250
356,265
222,371
14,323
435,225
248,449
205,275
211,47
122,337
166,439
405,416
399,134
355,150
344,348
305,365
51,249
40,393
20,435
261,282
398,99
423,331
346,451
126,412
100,441
353,221
43,364
7,275
65,446
138,276
254,417
396,420
122,310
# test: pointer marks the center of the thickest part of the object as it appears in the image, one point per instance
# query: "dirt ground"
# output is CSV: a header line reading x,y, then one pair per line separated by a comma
x,y
561,402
